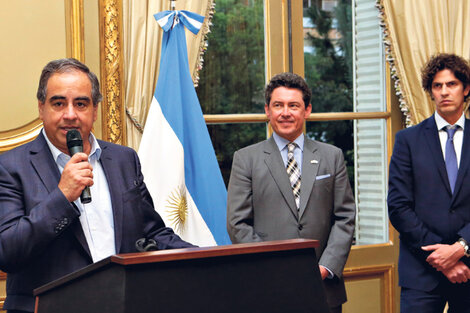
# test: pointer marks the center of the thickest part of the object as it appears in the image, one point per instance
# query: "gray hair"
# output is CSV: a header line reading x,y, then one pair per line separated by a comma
x,y
67,65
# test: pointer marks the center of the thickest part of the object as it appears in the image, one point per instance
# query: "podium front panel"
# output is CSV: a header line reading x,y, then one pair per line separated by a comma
x,y
274,281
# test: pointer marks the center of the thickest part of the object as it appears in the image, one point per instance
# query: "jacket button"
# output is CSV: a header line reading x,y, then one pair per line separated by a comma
x,y
300,227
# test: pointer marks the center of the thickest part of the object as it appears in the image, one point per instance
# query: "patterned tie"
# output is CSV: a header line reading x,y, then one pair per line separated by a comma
x,y
294,172
451,157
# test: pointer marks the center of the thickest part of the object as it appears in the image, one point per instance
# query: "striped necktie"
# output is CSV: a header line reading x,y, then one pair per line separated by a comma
x,y
293,171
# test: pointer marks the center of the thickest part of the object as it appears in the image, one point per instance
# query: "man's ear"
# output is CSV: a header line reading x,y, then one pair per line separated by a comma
x,y
266,109
308,110
466,90
95,112
40,109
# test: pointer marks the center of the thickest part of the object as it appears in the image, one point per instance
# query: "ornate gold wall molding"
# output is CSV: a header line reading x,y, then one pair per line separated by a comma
x,y
12,138
75,29
113,111
16,137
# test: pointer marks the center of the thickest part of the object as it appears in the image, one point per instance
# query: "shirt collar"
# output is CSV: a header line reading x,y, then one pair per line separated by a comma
x,y
442,123
60,157
282,142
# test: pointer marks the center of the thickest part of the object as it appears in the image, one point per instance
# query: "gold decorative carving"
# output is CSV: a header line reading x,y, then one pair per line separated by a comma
x,y
75,29
113,113
16,137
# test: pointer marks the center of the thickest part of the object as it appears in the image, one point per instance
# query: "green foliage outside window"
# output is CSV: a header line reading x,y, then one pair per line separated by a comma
x,y
232,79
328,72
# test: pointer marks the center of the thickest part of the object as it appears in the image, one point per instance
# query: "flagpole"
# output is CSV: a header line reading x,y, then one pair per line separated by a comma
x,y
173,5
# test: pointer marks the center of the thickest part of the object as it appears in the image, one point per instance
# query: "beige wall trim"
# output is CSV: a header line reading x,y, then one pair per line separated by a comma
x,y
16,137
111,46
377,245
384,273
337,116
261,117
75,29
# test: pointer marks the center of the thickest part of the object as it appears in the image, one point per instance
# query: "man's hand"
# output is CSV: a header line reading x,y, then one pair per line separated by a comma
x,y
459,273
444,257
323,272
77,174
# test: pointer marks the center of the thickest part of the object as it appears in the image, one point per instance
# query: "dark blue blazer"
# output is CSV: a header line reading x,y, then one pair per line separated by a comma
x,y
421,205
41,238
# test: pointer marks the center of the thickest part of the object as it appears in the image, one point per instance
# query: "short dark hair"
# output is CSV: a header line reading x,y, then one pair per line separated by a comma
x,y
441,61
67,65
288,80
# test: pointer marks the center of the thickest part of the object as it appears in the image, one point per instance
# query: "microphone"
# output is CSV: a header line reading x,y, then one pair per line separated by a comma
x,y
75,145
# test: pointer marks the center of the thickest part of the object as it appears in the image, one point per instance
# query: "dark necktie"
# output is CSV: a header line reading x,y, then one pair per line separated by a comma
x,y
451,157
294,172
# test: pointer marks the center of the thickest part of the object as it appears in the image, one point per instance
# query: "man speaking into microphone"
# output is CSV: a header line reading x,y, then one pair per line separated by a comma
x,y
46,231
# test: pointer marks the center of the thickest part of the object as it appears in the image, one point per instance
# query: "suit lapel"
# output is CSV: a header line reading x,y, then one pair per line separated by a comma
x,y
432,139
48,172
278,171
109,168
310,164
464,159
44,164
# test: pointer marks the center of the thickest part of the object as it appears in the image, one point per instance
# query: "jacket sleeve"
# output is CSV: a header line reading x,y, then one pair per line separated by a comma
x,y
239,203
27,232
337,249
401,201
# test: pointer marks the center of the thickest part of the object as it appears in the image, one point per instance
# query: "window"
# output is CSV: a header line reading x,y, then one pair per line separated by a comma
x,y
346,74
232,79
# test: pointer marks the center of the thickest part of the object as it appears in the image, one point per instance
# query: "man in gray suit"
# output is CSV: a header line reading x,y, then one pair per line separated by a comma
x,y
292,187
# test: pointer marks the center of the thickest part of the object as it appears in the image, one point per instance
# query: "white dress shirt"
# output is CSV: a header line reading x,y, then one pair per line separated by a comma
x,y
96,217
458,136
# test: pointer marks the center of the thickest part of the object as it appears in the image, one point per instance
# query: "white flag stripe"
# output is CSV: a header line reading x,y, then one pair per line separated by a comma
x,y
193,22
162,159
162,22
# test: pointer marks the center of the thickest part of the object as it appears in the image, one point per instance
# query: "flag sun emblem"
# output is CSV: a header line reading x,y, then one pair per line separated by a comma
x,y
177,209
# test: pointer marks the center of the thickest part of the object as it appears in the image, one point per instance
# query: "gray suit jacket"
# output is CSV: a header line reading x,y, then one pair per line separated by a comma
x,y
261,204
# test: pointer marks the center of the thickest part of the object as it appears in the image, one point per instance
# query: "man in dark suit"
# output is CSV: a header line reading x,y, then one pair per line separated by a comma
x,y
429,194
45,230
276,192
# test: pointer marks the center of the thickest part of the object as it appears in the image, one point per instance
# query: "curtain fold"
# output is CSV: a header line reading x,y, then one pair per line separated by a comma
x,y
142,46
415,30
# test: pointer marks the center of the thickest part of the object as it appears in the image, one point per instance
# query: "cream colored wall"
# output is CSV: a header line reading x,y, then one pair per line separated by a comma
x,y
92,45
33,33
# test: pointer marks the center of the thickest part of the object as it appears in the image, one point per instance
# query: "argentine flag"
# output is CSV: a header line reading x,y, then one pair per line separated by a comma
x,y
178,160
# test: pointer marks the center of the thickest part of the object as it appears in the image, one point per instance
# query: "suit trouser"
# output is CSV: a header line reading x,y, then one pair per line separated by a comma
x,y
434,301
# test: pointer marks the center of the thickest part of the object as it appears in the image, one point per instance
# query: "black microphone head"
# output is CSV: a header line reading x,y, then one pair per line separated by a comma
x,y
74,139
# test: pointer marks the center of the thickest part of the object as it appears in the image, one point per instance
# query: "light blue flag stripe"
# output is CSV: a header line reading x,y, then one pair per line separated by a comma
x,y
178,99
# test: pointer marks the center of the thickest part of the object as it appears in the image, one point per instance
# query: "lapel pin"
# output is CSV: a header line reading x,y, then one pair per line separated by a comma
x,y
314,162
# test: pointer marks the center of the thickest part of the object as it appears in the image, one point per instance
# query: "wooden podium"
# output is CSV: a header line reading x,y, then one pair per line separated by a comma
x,y
276,276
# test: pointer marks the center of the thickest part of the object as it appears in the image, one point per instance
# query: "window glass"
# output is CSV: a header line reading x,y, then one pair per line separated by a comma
x,y
347,74
339,134
228,138
232,78
328,54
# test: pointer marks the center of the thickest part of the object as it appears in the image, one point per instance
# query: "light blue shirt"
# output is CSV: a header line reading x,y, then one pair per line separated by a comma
x,y
298,151
96,217
458,136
